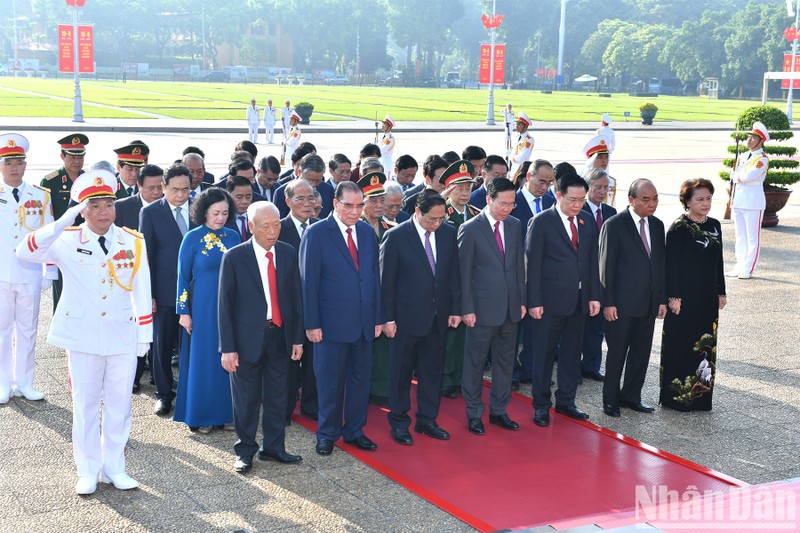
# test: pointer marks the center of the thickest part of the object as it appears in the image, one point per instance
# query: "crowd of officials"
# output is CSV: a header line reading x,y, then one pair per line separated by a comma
x,y
268,290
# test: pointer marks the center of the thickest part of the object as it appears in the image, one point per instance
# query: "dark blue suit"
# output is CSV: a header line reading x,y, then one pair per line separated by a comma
x,y
402,216
478,198
420,302
163,239
410,198
325,189
345,302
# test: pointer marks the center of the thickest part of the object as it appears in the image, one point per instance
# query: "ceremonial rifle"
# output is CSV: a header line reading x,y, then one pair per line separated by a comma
x,y
733,183
376,127
283,154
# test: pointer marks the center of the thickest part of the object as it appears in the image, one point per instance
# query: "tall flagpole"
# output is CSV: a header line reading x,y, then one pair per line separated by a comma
x,y
490,106
794,55
77,111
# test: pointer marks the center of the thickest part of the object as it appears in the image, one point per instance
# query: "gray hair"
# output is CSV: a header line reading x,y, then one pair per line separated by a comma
x,y
317,195
194,157
594,175
104,165
370,164
294,184
392,187
255,208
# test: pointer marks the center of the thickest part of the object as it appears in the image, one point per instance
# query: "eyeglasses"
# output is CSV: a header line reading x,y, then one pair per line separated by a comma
x,y
350,207
302,199
574,201
599,187
506,205
435,220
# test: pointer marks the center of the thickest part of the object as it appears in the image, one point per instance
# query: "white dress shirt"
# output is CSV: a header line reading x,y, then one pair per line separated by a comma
x,y
184,212
263,265
343,229
421,231
565,221
491,227
531,199
299,226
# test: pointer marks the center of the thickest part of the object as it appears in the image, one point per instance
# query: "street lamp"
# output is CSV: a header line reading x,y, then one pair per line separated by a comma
x,y
491,23
561,33
77,110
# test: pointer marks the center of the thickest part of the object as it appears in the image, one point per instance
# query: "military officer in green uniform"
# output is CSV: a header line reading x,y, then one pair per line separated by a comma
x,y
130,160
371,185
457,179
59,183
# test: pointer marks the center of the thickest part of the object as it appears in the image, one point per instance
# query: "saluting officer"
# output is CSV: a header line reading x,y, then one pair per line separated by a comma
x,y
387,145
107,293
524,147
130,160
23,208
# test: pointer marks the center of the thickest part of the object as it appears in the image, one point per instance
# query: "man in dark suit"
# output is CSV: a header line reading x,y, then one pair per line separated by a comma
x,y
260,325
208,178
493,302
242,193
405,171
164,223
632,270
343,315
240,167
494,166
420,281
312,169
197,166
267,177
595,205
293,172
563,285
130,160
432,169
300,198
532,199
392,202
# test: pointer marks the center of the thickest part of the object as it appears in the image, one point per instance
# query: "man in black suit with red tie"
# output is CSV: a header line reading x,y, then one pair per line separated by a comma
x,y
563,286
241,192
260,330
632,271
420,282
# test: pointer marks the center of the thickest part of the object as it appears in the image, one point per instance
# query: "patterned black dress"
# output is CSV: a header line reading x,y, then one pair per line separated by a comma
x,y
689,341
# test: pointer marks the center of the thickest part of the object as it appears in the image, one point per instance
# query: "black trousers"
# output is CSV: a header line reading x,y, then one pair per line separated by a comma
x,y
424,354
629,341
165,335
261,384
302,378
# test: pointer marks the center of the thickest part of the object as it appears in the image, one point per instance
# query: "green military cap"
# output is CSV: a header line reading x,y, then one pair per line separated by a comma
x,y
458,172
134,154
74,144
372,184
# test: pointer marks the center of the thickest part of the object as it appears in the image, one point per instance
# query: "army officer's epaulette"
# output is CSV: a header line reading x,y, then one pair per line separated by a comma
x,y
40,188
133,232
52,175
72,228
388,224
474,211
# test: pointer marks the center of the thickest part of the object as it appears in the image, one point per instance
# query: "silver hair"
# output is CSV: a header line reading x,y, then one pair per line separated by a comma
x,y
370,164
294,184
256,207
104,165
392,187
191,155
594,175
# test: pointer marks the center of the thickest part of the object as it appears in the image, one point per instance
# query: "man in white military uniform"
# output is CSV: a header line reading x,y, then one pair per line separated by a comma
x,y
253,121
598,151
293,140
524,147
606,131
387,146
508,119
269,121
286,114
104,321
748,202
23,208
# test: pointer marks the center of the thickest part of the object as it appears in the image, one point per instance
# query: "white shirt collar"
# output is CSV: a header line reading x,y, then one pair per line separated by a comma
x,y
636,218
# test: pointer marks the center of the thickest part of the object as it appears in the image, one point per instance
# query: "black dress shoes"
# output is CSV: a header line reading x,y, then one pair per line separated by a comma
x,y
541,417
433,431
243,465
363,443
176,359
503,421
572,412
611,410
639,407
402,436
597,376
136,388
475,425
450,392
281,457
163,407
324,446
312,416
515,385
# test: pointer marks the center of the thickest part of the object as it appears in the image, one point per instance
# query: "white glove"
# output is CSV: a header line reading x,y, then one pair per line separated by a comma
x,y
143,348
68,218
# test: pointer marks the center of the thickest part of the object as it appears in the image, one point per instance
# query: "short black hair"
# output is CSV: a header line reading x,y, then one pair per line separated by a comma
x,y
473,153
427,199
270,163
571,180
194,150
493,160
368,150
539,163
299,154
175,170
239,165
346,186
432,164
337,160
247,146
309,147
237,181
405,161
498,185
149,171
207,198
633,190
312,163
241,154
451,157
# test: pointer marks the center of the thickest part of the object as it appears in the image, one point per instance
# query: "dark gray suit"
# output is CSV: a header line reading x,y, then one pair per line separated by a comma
x,y
633,282
127,211
493,289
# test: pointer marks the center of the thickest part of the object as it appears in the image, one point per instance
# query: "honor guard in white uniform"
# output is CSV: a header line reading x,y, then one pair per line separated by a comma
x,y
286,114
606,131
104,321
23,208
508,120
253,121
748,201
597,152
387,146
269,121
293,140
524,147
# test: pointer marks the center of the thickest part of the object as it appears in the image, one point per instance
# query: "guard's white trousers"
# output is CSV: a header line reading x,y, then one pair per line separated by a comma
x,y
270,132
19,320
748,238
97,446
252,132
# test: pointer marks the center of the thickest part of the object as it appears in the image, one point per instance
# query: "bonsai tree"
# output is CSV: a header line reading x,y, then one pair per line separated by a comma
x,y
782,170
304,109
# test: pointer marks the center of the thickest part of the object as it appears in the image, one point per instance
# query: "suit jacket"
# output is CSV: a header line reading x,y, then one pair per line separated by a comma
x,y
242,307
413,296
554,268
632,281
163,238
223,183
289,233
605,210
342,300
233,224
524,213
491,288
208,177
325,189
402,216
128,212
478,197
410,198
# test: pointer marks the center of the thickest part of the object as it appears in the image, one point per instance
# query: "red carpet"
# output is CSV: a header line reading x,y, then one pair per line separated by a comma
x,y
570,473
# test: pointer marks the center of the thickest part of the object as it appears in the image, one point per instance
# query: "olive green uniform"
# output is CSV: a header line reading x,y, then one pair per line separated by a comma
x,y
380,347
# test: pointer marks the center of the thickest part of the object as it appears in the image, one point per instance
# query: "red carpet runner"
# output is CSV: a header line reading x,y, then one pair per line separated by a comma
x,y
570,473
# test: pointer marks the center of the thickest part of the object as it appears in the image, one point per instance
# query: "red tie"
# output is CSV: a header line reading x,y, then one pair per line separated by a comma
x,y
244,228
599,219
351,245
574,230
499,239
272,279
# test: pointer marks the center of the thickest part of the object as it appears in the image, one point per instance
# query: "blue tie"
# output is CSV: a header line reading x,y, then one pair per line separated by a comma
x,y
192,194
538,202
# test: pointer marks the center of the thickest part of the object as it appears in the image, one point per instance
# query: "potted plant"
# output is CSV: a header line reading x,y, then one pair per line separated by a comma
x,y
304,109
783,170
648,112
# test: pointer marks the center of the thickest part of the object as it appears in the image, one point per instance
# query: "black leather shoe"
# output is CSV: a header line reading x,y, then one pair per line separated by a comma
x,y
312,416
363,443
243,465
475,425
611,410
503,421
515,384
136,388
380,401
639,407
526,381
175,360
572,412
163,407
402,436
324,447
541,417
433,431
281,457
450,392
597,376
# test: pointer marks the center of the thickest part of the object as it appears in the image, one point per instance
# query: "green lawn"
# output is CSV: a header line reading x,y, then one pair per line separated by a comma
x,y
227,101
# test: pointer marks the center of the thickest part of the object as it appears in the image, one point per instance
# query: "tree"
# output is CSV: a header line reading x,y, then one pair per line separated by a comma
x,y
696,50
591,58
636,53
